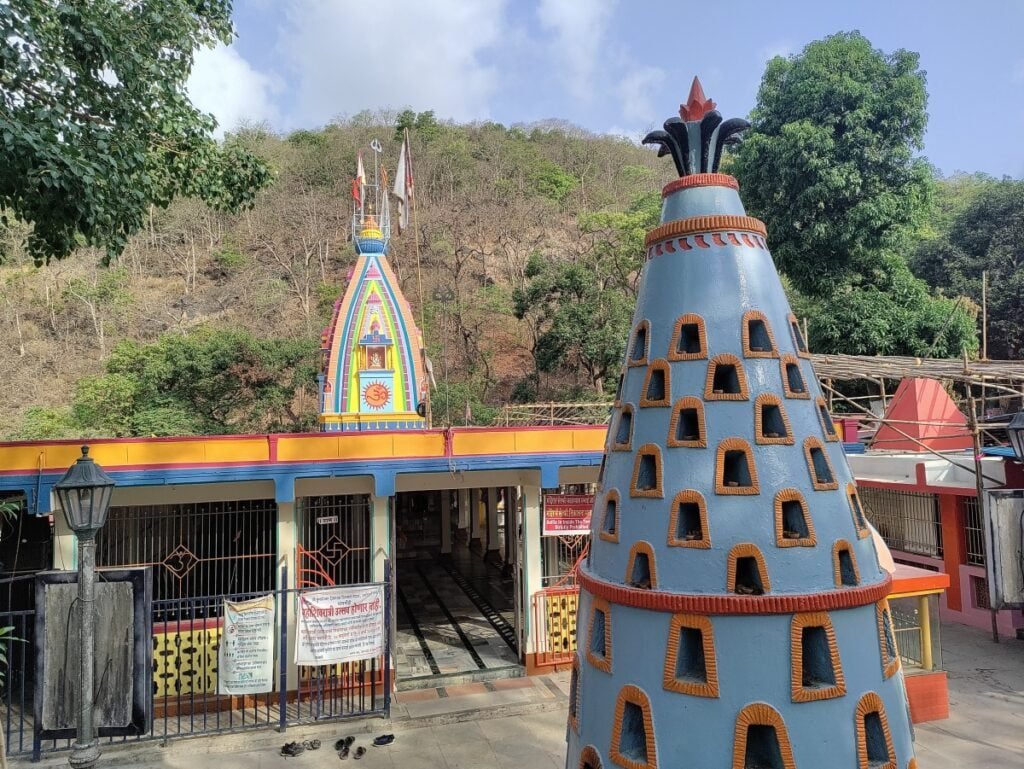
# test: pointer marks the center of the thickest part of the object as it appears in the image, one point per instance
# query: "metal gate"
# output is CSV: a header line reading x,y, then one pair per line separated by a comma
x,y
185,699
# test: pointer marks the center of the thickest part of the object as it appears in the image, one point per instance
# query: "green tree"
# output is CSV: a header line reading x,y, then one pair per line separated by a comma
x,y
96,125
829,160
208,382
580,310
892,313
987,235
830,165
580,317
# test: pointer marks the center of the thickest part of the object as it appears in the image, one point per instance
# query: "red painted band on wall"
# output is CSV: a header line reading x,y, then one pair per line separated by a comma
x,y
654,600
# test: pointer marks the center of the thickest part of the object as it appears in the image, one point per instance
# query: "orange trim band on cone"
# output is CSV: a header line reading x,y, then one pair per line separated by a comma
x,y
699,180
703,224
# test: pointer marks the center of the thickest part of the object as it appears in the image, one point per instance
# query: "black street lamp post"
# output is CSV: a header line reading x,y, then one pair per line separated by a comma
x,y
84,493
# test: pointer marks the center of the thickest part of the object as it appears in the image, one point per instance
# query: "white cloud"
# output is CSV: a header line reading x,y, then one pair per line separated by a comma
x,y
635,90
347,55
224,83
578,28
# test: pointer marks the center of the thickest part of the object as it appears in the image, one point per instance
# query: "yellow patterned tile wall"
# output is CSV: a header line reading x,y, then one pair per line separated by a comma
x,y
185,662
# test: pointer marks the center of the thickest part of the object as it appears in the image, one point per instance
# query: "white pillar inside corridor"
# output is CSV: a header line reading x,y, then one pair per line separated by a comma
x,y
532,568
492,520
446,521
380,539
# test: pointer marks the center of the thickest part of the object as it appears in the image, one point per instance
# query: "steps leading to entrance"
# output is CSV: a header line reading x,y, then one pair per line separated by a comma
x,y
464,677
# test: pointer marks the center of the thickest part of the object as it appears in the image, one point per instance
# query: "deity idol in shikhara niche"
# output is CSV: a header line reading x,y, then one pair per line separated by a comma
x,y
733,607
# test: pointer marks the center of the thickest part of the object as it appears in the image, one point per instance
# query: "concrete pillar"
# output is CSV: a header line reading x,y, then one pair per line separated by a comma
x,y
380,535
532,569
287,541
65,543
510,524
465,508
952,518
475,529
493,542
446,521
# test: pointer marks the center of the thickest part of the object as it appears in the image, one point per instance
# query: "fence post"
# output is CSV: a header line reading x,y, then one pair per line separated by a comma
x,y
387,638
282,678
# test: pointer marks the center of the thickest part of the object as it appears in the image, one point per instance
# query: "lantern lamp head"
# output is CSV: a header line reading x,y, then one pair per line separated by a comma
x,y
85,492
1016,432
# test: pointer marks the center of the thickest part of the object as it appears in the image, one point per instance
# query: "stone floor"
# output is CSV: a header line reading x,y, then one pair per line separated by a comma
x,y
440,629
521,723
986,702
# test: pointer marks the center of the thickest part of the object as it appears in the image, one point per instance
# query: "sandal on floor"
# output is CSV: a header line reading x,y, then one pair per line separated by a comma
x,y
360,752
292,749
311,744
343,753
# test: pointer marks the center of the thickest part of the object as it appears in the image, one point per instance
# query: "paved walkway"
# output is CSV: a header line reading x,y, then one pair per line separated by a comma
x,y
986,702
521,723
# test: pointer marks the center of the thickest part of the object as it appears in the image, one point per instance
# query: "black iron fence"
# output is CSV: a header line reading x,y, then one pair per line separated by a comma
x,y
185,699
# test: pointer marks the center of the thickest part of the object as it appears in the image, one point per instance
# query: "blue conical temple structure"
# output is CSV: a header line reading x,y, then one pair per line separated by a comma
x,y
373,377
733,608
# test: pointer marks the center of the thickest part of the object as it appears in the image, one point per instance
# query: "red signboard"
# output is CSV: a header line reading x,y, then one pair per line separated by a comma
x,y
567,514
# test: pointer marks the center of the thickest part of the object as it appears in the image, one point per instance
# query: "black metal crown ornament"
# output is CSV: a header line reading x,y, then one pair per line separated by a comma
x,y
697,137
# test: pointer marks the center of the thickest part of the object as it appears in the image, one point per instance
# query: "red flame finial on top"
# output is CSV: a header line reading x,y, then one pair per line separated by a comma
x,y
697,104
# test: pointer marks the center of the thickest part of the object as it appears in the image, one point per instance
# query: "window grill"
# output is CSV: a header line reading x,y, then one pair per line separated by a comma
x,y
979,590
907,521
334,540
197,550
974,536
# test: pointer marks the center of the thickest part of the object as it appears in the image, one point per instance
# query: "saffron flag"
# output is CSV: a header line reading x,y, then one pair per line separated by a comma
x,y
403,184
360,181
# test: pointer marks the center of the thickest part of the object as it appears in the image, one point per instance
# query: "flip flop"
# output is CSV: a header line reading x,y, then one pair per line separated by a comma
x,y
343,753
360,752
292,749
311,744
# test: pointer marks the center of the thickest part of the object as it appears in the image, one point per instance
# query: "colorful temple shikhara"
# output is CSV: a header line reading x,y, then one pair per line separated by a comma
x,y
373,350
733,607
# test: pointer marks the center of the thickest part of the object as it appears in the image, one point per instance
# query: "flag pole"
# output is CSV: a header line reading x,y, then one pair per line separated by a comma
x,y
419,282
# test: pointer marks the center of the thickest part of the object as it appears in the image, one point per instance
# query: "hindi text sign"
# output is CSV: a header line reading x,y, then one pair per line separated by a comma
x,y
340,624
567,514
245,661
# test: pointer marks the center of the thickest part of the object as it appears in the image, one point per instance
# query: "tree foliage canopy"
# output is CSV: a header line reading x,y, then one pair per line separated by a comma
x,y
829,161
829,164
582,308
986,235
96,124
209,382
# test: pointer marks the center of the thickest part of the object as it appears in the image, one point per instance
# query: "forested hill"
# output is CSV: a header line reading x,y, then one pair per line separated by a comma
x,y
211,323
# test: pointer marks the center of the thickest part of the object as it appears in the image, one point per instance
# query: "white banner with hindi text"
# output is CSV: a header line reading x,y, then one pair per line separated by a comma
x,y
340,624
245,659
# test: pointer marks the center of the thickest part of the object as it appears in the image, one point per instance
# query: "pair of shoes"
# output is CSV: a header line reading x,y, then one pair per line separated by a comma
x,y
344,742
311,744
384,739
292,749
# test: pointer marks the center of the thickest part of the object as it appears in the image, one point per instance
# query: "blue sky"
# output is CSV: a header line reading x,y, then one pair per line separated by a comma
x,y
615,66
